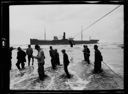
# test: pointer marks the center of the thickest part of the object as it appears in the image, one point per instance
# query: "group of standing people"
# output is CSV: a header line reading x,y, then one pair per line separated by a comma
x,y
55,59
21,57
98,58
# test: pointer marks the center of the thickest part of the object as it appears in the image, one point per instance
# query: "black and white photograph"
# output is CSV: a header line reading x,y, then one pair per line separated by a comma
x,y
66,47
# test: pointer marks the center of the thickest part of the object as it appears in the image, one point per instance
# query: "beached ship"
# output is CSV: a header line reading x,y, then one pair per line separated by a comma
x,y
62,41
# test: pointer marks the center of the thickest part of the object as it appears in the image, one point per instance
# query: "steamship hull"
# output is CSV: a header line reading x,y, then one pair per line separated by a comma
x,y
60,42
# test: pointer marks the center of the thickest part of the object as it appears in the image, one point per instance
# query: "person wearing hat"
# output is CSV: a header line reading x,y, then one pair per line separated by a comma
x,y
20,58
98,60
40,58
65,62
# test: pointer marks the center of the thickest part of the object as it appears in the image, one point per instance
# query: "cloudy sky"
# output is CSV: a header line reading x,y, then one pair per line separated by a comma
x,y
30,21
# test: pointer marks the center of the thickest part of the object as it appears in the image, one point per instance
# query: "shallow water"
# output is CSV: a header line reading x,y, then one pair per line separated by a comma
x,y
112,56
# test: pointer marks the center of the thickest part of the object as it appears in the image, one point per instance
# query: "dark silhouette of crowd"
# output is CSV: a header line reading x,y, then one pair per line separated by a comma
x,y
55,60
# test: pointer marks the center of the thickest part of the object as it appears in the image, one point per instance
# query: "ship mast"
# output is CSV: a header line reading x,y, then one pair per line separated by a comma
x,y
81,32
44,33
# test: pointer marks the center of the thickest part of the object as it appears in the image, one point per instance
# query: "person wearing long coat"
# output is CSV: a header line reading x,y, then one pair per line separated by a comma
x,y
21,59
86,52
57,59
98,60
66,63
52,55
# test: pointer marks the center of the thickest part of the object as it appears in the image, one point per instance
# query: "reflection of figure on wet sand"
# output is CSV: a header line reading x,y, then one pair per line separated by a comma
x,y
40,58
21,58
98,60
29,52
86,52
57,59
52,54
66,63
10,57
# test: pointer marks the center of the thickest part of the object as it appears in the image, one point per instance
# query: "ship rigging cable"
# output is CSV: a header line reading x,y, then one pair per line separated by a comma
x,y
111,70
98,19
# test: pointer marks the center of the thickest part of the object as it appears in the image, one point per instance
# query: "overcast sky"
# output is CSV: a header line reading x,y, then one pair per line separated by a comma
x,y
29,21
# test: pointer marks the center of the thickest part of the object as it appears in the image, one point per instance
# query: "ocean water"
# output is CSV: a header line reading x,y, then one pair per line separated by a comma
x,y
112,56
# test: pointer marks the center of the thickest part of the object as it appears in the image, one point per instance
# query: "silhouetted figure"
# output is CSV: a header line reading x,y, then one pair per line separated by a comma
x,y
52,54
57,59
66,63
71,43
10,57
40,58
29,52
98,59
21,58
86,52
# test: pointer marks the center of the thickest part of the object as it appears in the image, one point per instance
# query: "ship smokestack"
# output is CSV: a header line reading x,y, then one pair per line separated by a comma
x,y
64,35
